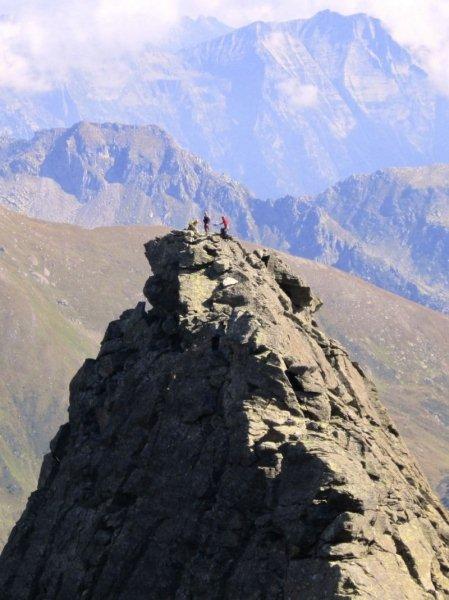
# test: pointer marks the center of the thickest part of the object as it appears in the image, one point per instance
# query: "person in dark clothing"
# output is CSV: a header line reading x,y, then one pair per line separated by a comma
x,y
192,226
206,223
224,227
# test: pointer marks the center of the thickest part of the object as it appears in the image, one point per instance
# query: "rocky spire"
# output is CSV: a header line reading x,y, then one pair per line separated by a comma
x,y
221,446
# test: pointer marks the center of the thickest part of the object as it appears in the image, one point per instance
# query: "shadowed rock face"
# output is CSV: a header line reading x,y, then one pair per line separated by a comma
x,y
221,446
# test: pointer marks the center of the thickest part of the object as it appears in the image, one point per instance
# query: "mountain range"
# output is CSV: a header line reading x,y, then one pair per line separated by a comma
x,y
115,174
61,284
390,227
286,108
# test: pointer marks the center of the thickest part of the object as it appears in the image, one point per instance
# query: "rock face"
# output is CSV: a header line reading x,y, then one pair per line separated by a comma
x,y
221,446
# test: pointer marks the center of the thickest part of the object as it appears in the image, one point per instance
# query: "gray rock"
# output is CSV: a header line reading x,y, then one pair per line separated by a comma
x,y
207,455
220,266
227,281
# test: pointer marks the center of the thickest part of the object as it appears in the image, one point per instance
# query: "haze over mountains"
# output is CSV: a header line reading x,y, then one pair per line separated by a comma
x,y
391,227
112,174
283,107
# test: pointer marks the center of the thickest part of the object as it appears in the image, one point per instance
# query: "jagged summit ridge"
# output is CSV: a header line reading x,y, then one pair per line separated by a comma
x,y
221,446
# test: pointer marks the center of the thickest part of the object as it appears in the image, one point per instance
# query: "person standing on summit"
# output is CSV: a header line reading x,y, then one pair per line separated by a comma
x,y
206,223
224,227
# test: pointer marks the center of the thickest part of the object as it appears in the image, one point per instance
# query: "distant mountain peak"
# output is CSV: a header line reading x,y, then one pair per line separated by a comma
x,y
328,14
341,28
204,19
191,31
107,173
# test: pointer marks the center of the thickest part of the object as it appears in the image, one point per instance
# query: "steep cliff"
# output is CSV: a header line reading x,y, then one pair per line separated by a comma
x,y
221,446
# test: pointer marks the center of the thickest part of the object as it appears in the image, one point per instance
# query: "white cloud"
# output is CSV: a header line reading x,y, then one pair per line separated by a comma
x,y
296,95
43,39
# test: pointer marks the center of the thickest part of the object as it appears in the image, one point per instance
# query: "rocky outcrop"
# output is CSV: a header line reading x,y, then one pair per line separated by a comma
x,y
221,446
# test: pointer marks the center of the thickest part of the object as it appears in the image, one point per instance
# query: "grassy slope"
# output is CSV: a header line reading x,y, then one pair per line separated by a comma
x,y
406,349
60,285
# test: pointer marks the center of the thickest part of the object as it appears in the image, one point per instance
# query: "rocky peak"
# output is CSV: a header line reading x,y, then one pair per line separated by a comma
x,y
203,278
221,446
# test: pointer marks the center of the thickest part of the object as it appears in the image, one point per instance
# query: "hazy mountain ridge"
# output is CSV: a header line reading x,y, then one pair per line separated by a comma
x,y
390,227
115,174
318,99
403,215
283,107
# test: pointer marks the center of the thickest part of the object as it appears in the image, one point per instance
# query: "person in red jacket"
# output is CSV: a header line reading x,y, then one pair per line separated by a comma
x,y
224,227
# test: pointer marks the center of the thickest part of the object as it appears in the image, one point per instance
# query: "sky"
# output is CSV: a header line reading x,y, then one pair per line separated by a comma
x,y
41,40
